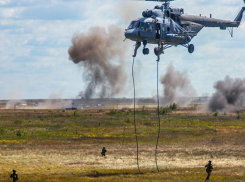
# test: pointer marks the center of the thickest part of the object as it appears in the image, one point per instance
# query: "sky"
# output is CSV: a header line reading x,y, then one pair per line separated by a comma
x,y
36,34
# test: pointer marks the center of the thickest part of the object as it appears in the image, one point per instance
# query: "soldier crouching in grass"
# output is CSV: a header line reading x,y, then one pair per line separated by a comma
x,y
103,151
209,168
14,176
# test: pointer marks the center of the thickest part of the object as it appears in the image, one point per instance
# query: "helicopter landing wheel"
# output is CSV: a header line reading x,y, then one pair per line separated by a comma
x,y
191,48
146,51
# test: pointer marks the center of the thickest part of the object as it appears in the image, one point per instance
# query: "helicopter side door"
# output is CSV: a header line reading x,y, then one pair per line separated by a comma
x,y
161,29
158,31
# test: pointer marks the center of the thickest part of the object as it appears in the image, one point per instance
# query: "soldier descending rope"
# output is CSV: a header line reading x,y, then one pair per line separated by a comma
x,y
209,168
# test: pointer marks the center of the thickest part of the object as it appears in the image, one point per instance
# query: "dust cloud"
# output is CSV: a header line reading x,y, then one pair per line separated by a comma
x,y
53,102
177,87
229,95
124,7
101,54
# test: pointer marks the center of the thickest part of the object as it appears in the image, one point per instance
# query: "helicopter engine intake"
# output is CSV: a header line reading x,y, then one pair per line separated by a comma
x,y
147,13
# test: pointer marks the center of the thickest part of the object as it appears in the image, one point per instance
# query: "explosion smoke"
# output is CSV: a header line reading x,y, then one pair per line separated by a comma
x,y
229,95
101,53
120,8
176,84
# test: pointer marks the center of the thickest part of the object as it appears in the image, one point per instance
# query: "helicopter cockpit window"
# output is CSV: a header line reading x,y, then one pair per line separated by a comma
x,y
133,24
142,25
148,27
137,24
145,26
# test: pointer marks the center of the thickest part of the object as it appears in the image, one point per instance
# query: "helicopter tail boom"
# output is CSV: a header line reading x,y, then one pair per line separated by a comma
x,y
240,15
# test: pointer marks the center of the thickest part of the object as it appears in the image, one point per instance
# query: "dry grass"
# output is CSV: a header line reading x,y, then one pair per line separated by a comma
x,y
65,146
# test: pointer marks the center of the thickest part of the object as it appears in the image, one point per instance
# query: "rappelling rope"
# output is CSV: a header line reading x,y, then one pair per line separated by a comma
x,y
135,128
159,124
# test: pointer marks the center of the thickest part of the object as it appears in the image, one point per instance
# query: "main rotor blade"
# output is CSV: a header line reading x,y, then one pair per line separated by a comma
x,y
156,0
160,0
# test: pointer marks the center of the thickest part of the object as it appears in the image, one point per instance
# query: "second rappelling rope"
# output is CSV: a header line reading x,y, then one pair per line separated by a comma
x,y
135,128
159,124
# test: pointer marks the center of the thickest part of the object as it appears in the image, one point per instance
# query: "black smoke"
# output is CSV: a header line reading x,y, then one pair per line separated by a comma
x,y
229,95
101,54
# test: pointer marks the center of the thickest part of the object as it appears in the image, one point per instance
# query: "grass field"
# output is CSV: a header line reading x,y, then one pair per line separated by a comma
x,y
59,145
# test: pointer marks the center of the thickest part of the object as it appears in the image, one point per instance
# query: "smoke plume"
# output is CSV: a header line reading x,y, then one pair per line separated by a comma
x,y
123,9
176,86
229,95
101,54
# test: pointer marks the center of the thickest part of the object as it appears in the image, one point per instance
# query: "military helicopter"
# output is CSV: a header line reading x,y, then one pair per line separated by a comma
x,y
167,27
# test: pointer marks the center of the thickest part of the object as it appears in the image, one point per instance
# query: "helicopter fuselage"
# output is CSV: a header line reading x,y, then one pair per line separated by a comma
x,y
155,30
